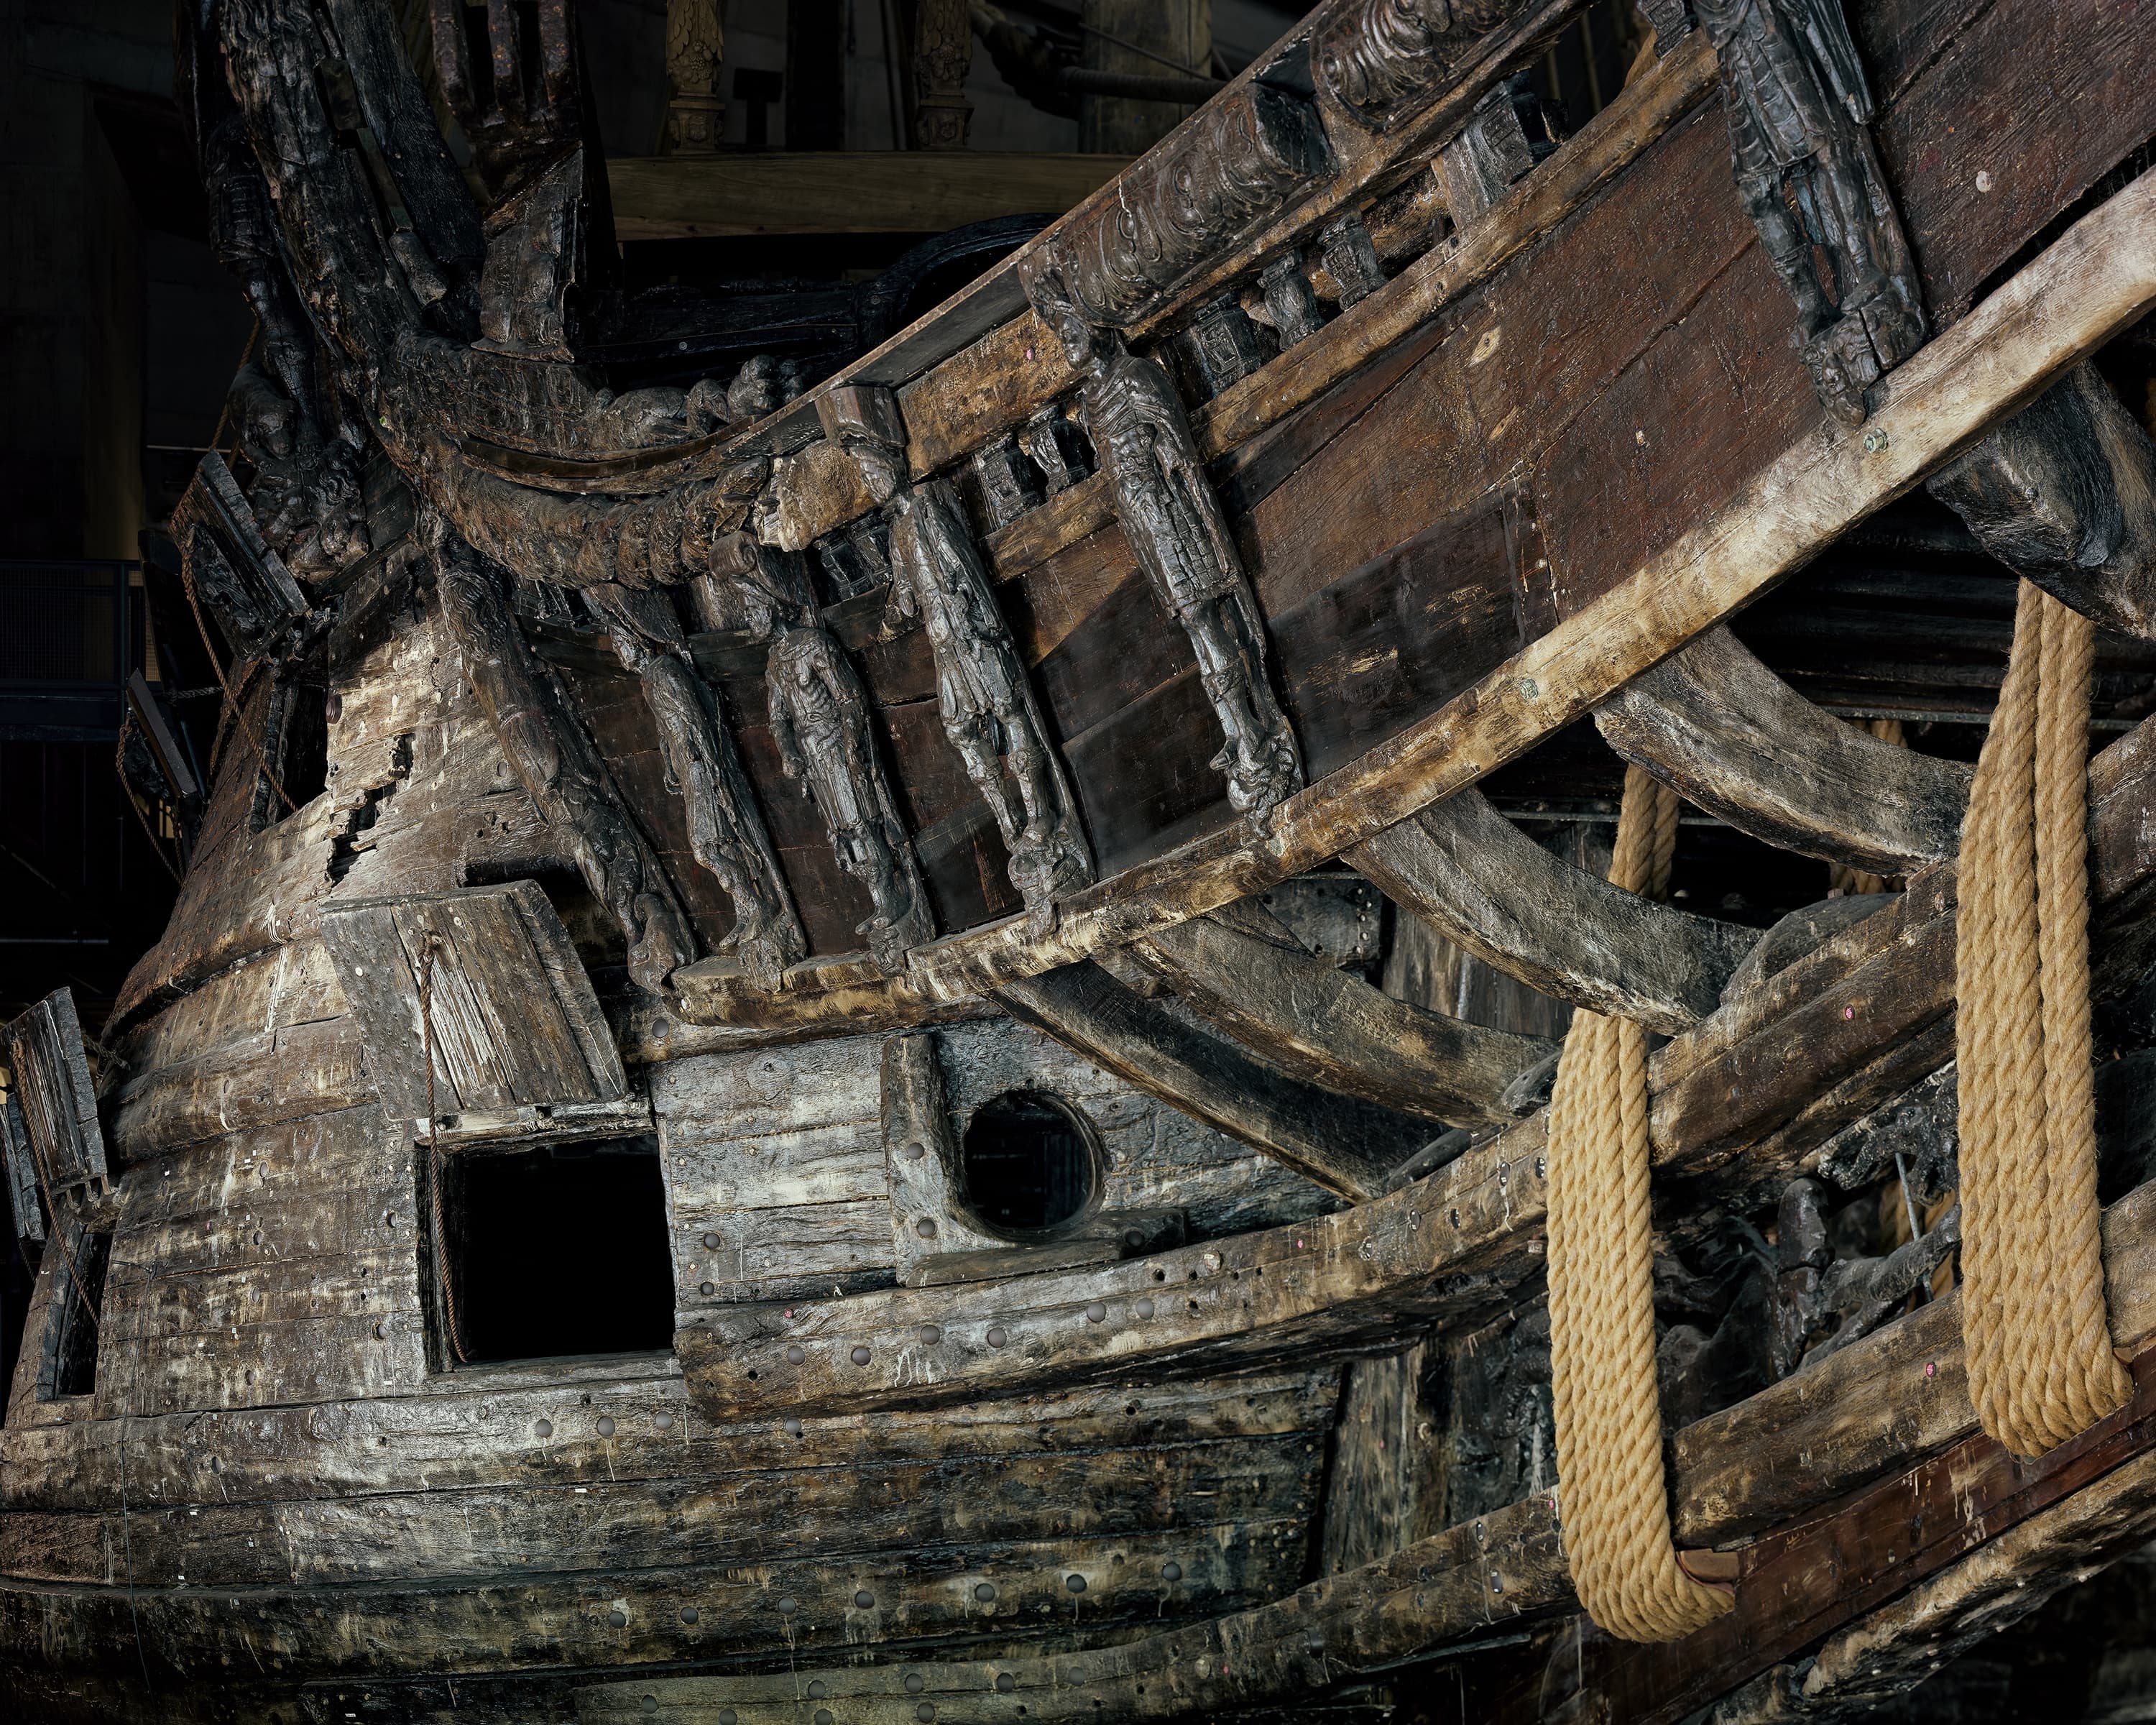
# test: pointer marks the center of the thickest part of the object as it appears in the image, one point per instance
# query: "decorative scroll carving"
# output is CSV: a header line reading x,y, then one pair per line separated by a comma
x,y
942,55
1379,58
695,42
982,692
819,720
1799,109
1167,507
1238,162
726,832
559,765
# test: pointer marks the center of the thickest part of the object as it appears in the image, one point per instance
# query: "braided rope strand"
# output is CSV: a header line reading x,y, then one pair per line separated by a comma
x,y
2041,1364
1603,1385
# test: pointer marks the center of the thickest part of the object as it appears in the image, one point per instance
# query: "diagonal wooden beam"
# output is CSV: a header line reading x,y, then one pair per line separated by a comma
x,y
1465,869
1242,971
1738,741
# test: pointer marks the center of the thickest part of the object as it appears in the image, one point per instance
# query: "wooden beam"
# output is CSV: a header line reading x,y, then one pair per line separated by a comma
x,y
2081,291
1478,880
1736,741
1242,971
1348,1147
1739,1103
843,190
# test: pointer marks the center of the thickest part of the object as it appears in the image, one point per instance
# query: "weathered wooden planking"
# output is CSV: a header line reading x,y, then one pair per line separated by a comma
x,y
24,1203
475,1429
321,1069
1347,1146
929,1510
547,1622
1469,872
1736,741
1242,971
1385,1489
514,1020
1437,1590
52,1087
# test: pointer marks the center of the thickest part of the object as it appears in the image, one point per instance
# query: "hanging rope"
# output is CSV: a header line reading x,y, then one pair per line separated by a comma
x,y
2040,1365
429,946
1617,1531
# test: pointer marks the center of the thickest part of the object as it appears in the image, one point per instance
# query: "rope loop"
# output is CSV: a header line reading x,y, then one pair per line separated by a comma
x,y
1617,1531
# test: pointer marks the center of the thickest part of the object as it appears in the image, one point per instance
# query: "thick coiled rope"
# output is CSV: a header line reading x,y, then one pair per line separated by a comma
x,y
2040,1365
1615,1501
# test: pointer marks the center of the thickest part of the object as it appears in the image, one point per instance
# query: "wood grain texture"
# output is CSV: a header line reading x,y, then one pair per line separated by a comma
x,y
1736,741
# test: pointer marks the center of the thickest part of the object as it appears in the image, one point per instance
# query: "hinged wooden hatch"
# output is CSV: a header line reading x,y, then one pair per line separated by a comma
x,y
53,1140
516,1025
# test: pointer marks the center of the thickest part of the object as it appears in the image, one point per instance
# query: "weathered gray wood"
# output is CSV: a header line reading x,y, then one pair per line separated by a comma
x,y
2064,494
23,1203
1345,1146
1735,739
53,1089
1463,867
560,766
921,1161
1386,1487
1243,972
514,1021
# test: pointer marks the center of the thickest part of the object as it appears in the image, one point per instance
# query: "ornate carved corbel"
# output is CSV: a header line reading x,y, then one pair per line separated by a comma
x,y
1380,59
942,55
982,692
695,43
726,828
1174,523
819,720
1800,110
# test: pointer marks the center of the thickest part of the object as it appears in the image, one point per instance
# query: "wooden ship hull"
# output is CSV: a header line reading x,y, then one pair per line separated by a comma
x,y
1163,706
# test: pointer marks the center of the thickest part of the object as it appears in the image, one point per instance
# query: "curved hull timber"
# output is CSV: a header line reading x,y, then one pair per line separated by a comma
x,y
1084,708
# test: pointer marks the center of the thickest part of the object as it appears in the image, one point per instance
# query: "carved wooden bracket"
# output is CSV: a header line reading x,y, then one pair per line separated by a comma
x,y
983,693
695,43
1800,109
820,723
942,55
514,1021
1166,504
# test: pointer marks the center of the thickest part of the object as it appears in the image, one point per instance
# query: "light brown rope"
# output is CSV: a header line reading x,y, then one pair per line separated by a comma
x,y
1615,1504
2040,1365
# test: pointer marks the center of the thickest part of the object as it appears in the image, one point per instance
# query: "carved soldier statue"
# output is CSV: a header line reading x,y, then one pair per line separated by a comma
x,y
1168,510
726,829
984,697
1799,111
819,720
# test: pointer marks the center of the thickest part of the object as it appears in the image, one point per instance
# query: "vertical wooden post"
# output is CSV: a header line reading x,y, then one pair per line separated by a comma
x,y
695,42
942,55
1158,39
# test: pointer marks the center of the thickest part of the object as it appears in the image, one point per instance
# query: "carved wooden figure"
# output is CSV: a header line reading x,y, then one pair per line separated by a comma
x,y
819,720
726,828
1798,109
982,692
695,44
1166,506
